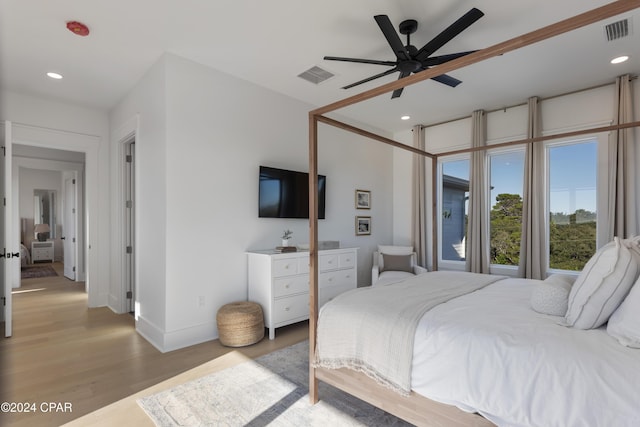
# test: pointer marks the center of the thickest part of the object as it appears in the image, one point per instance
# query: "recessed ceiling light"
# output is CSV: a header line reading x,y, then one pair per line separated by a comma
x,y
54,75
405,117
619,59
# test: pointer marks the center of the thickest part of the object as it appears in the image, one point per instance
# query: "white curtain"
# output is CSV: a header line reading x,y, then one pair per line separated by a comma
x,y
477,245
622,218
419,215
533,244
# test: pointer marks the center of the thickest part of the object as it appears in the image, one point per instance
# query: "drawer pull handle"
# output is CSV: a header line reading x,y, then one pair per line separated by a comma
x,y
287,308
286,286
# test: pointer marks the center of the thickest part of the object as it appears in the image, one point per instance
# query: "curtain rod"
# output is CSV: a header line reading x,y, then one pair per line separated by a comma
x,y
524,103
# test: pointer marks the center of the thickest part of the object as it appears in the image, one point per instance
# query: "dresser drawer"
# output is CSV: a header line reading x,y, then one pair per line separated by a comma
x,y
303,264
290,285
347,260
285,267
328,262
285,309
337,278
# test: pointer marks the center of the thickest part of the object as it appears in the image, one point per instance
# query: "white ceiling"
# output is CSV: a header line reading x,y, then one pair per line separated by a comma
x,y
271,42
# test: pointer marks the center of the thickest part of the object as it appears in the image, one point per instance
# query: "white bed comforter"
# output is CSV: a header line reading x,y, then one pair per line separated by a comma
x,y
490,352
372,330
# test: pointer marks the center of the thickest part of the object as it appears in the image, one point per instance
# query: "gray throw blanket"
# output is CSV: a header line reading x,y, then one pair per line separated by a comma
x,y
371,329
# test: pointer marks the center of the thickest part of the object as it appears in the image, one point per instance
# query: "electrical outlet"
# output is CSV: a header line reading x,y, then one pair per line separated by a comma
x,y
201,301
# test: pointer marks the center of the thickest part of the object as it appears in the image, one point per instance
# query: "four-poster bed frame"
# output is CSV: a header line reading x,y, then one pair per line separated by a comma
x,y
418,409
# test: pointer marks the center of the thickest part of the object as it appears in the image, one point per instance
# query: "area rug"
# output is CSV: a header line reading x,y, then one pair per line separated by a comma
x,y
36,272
271,390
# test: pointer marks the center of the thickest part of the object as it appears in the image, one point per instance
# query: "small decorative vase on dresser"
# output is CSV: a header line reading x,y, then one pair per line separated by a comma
x,y
279,282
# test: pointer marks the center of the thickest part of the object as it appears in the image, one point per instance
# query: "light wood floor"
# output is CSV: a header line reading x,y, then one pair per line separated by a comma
x,y
93,359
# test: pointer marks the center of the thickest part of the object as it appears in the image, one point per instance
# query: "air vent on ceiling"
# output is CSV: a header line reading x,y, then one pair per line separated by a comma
x,y
316,75
617,30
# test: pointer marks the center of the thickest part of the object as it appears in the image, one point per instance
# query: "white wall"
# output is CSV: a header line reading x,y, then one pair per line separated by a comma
x,y
143,111
219,130
47,123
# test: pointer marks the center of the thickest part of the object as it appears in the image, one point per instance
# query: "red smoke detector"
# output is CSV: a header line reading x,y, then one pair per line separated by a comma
x,y
78,28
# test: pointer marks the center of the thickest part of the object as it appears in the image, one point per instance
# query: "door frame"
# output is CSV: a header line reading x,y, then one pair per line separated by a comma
x,y
129,223
74,168
8,261
71,234
89,145
125,134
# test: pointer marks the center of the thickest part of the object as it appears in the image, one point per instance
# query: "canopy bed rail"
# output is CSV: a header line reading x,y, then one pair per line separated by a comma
x,y
416,408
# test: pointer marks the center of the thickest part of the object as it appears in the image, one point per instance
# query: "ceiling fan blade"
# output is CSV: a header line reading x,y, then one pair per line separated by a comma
x,y
392,37
449,33
447,80
396,93
361,61
437,60
368,79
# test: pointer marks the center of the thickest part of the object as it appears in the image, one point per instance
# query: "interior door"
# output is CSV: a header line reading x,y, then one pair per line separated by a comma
x,y
8,252
129,226
69,228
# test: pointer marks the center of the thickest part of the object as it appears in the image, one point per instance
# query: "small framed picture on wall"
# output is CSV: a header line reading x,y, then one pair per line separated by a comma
x,y
363,199
363,225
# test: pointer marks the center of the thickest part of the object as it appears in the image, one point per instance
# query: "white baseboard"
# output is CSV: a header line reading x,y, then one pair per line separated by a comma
x,y
174,340
151,333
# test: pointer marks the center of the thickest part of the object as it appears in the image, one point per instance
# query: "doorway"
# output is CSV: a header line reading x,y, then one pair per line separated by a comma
x,y
60,176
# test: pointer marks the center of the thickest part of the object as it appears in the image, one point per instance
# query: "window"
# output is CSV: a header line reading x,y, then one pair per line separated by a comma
x,y
571,180
572,204
455,202
507,174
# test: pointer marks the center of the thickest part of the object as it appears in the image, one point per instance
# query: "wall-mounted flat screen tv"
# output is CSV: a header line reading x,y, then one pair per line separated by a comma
x,y
285,194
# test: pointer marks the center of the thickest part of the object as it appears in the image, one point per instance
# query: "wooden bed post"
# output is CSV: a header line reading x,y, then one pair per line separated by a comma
x,y
313,253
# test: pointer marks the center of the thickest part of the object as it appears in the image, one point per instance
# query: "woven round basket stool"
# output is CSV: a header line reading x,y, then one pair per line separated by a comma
x,y
240,324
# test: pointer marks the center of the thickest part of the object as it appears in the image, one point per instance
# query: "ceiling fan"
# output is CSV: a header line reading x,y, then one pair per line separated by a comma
x,y
409,59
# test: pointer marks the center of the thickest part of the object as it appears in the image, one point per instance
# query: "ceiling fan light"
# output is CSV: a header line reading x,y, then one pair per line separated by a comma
x,y
405,117
619,59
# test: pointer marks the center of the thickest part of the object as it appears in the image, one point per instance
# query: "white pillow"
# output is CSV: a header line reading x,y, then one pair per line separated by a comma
x,y
551,295
602,285
624,324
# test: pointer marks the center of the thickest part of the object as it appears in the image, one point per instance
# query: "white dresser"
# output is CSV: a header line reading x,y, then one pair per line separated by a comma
x,y
42,251
279,282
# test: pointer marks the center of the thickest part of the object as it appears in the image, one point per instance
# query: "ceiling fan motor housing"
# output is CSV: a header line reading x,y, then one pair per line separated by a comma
x,y
410,66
